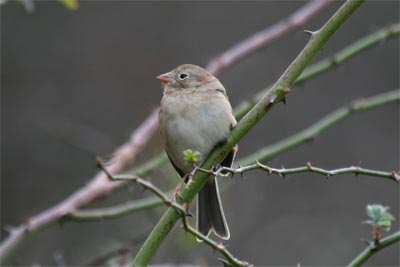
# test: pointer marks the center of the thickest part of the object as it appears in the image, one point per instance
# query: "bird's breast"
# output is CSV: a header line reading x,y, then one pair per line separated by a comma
x,y
194,122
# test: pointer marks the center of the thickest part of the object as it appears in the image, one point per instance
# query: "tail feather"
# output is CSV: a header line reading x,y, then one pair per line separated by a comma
x,y
210,215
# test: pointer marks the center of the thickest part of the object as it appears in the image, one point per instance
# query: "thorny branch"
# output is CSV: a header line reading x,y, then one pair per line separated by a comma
x,y
182,209
373,248
393,175
274,96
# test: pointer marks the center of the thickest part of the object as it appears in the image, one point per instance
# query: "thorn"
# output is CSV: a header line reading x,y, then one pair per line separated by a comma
x,y
396,176
287,90
241,173
270,172
365,241
99,162
311,139
142,187
334,61
353,105
224,261
311,33
308,165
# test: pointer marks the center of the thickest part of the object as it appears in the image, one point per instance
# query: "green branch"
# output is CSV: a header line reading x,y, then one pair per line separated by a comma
x,y
115,211
350,51
323,124
312,71
180,209
275,95
331,62
262,155
374,248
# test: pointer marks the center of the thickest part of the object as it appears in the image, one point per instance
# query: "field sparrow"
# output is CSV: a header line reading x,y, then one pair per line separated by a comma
x,y
196,114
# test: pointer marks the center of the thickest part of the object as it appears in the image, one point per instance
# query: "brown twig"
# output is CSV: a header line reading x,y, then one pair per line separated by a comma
x,y
266,36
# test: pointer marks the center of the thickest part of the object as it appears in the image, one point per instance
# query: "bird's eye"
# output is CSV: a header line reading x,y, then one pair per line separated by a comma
x,y
182,76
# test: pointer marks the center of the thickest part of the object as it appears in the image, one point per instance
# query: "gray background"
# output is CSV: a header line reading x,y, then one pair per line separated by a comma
x,y
75,84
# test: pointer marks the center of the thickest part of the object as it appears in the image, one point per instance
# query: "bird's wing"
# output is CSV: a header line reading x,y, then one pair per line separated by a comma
x,y
179,171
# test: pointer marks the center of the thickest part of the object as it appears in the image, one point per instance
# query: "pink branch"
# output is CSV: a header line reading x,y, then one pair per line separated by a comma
x,y
266,36
99,187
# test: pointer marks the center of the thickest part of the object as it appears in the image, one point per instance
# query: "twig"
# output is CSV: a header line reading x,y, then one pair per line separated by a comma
x,y
275,95
266,36
231,260
374,248
321,125
350,51
179,208
98,187
329,63
114,211
144,183
122,250
394,176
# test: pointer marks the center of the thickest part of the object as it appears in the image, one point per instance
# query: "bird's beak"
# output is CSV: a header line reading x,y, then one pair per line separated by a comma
x,y
164,78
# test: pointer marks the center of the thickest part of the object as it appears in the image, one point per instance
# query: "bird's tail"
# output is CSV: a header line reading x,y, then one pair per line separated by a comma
x,y
210,215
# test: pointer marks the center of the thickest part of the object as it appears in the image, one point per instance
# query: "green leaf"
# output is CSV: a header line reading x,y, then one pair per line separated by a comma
x,y
191,156
380,217
70,4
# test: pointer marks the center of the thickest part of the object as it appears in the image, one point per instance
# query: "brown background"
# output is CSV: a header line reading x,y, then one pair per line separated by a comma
x,y
75,84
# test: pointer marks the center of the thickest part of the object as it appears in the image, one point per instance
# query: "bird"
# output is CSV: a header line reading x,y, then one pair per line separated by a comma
x,y
195,113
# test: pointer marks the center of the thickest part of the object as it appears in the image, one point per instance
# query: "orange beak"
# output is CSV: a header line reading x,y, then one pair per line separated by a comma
x,y
165,78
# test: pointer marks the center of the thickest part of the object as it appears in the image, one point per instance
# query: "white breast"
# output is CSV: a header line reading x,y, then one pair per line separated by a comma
x,y
198,125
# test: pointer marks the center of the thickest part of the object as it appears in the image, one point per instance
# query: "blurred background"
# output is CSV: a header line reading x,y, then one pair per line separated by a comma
x,y
75,84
